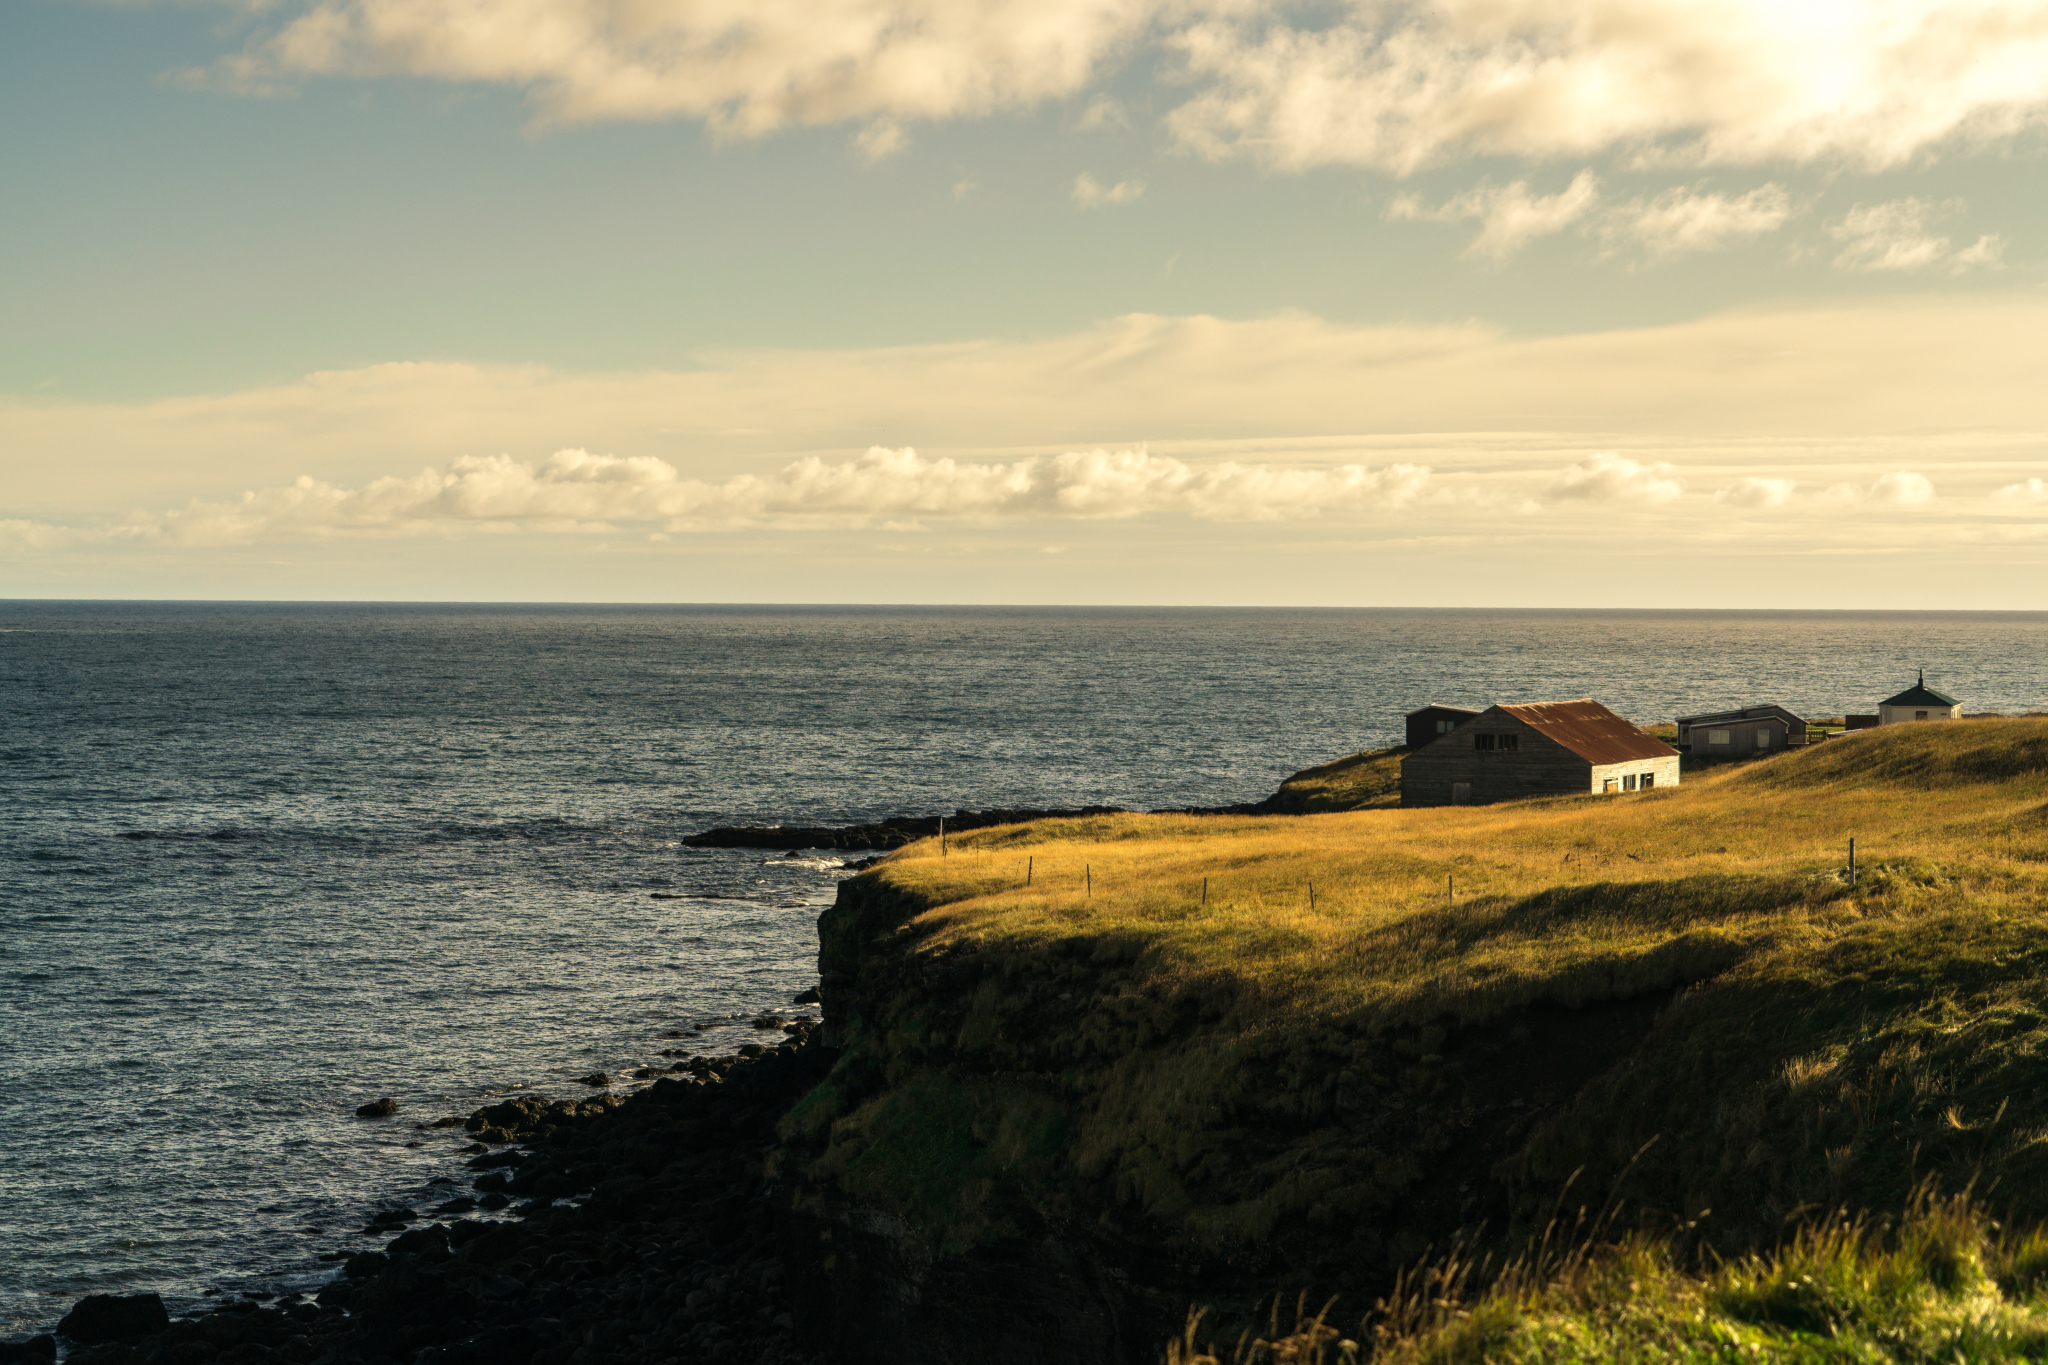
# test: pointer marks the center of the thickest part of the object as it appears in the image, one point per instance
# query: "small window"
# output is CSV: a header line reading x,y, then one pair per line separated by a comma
x,y
1461,793
1763,737
1444,727
1628,782
1608,785
1717,736
1482,741
1509,742
1649,781
1919,715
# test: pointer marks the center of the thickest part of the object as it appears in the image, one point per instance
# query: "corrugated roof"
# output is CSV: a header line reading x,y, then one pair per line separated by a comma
x,y
1920,694
1590,730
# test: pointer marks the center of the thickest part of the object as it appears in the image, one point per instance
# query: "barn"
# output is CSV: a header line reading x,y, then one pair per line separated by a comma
x,y
1751,730
1552,748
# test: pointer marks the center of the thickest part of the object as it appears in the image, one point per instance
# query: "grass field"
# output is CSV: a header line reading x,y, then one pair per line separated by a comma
x,y
1673,1001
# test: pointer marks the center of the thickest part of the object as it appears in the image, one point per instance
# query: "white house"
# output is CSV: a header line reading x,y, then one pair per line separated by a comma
x,y
1918,702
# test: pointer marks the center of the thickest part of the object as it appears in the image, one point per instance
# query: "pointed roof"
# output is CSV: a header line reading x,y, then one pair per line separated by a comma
x,y
1920,694
1590,730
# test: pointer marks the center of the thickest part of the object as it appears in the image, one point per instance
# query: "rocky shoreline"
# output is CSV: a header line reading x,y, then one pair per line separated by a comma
x,y
629,1230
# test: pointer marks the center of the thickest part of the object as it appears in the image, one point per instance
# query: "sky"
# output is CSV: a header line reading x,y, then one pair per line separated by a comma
x,y
1615,303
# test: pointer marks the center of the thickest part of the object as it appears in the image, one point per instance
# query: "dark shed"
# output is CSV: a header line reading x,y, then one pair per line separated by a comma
x,y
1434,720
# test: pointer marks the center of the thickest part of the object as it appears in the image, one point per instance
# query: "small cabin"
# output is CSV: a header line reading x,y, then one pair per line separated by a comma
x,y
1751,730
1553,748
1434,720
1918,702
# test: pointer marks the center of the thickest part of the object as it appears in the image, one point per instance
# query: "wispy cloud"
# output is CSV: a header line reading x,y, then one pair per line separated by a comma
x,y
1902,488
1510,216
1686,220
1899,235
1090,193
1756,492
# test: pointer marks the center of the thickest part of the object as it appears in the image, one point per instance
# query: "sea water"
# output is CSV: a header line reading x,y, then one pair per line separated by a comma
x,y
260,864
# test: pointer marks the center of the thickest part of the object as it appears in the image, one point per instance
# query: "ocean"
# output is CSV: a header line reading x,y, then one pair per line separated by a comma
x,y
262,863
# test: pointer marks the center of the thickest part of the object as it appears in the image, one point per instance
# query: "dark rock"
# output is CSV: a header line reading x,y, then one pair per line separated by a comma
x,y
452,1121
457,1205
391,1218
378,1109
493,1183
596,1078
496,1160
365,1264
430,1242
809,997
494,1200
752,1050
40,1350
770,1021
110,1317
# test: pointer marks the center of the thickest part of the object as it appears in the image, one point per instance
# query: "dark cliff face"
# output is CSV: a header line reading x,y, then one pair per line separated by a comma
x,y
964,1184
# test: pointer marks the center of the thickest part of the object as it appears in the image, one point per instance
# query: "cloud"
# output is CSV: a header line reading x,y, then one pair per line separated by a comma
x,y
2032,493
1903,488
1510,216
1612,478
576,491
1897,235
1757,493
1088,193
1686,220
1104,111
1394,85
744,70
1730,82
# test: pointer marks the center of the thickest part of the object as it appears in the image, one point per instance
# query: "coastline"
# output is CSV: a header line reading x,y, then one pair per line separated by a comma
x,y
647,1228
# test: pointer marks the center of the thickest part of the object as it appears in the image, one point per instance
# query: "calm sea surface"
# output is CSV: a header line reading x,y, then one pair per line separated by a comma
x,y
259,864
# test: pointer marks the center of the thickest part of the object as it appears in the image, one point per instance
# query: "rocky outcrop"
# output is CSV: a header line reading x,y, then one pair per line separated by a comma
x,y
110,1317
884,834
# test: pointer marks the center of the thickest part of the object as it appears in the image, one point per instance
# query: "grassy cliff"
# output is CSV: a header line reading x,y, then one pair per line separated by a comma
x,y
1672,1004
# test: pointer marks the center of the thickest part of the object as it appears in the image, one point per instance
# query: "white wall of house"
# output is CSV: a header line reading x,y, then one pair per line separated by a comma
x,y
1629,776
1906,715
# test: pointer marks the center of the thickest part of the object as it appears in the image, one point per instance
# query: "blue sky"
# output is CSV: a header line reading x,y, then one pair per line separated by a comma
x,y
1171,302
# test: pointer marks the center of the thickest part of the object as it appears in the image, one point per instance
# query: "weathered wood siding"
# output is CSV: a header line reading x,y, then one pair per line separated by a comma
x,y
1538,766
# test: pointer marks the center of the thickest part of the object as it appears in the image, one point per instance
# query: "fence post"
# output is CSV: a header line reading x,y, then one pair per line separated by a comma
x,y
1027,868
942,836
1852,860
1088,871
1205,890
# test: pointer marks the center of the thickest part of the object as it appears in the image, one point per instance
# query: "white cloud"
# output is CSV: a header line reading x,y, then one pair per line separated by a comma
x,y
1899,235
2032,493
1612,478
1510,216
1090,193
1902,488
1686,220
1395,84
576,491
742,69
1404,84
1757,493
1104,111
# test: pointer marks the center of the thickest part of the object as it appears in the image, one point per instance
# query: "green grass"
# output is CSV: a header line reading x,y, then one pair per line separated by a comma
x,y
1673,998
1367,780
1944,1283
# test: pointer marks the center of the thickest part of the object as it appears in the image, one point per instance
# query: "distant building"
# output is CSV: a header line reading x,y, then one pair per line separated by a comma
x,y
1918,702
1555,748
1433,720
1752,730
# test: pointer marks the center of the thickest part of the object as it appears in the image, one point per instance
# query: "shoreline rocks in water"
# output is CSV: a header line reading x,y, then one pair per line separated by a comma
x,y
892,833
649,1234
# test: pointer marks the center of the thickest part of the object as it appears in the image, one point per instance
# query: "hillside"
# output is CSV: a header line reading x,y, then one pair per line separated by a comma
x,y
1367,780
1671,1002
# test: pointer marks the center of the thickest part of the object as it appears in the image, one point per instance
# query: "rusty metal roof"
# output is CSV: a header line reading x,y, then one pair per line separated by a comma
x,y
1590,730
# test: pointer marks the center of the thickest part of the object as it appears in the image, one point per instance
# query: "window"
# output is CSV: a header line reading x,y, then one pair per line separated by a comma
x,y
1461,793
1608,785
1763,737
1628,782
1717,736
1919,715
1509,742
1444,727
1482,742
1649,781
